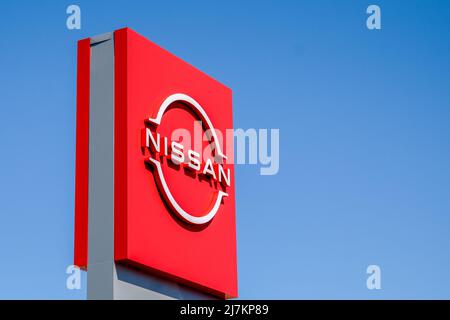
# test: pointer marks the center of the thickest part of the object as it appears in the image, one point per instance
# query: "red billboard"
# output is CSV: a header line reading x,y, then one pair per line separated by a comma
x,y
174,189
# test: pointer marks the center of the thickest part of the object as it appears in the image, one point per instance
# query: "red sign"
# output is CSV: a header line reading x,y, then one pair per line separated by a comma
x,y
174,206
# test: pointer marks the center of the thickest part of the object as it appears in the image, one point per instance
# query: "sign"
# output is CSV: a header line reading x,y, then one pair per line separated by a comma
x,y
174,195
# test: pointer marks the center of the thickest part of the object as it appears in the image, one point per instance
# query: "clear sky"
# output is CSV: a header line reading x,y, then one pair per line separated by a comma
x,y
364,119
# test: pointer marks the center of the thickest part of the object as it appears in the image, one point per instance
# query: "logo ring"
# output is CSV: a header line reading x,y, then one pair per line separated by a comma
x,y
161,181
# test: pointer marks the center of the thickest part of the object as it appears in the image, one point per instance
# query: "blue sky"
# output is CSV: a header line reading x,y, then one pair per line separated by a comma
x,y
364,139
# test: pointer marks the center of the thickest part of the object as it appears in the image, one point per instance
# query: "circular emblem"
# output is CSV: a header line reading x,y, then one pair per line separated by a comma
x,y
179,155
